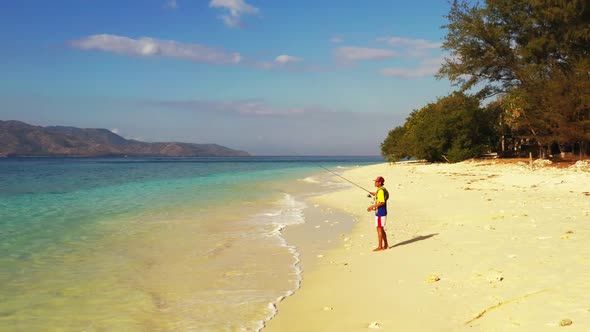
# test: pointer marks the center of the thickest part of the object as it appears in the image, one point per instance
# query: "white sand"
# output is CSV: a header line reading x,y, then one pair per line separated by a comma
x,y
477,246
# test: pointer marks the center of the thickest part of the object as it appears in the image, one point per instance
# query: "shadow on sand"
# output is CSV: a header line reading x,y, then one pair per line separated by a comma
x,y
416,239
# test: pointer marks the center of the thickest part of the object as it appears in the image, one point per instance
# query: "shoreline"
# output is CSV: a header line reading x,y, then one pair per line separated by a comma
x,y
303,239
474,245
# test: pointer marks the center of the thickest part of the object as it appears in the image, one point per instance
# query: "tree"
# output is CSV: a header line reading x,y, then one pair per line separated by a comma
x,y
538,50
391,148
454,128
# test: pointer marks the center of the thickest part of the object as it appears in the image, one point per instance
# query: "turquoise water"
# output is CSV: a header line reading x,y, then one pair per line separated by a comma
x,y
158,244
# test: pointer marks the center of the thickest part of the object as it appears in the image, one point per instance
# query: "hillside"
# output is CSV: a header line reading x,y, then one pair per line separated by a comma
x,y
21,139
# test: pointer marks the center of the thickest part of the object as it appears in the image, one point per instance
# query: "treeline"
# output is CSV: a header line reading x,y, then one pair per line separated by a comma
x,y
530,62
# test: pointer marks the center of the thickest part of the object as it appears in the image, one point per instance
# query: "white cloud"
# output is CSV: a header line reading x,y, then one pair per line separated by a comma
x,y
336,40
149,47
352,54
171,4
423,49
427,67
236,8
115,131
285,59
411,47
408,43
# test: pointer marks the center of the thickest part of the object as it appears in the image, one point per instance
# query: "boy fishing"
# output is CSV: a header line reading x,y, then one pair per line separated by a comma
x,y
380,208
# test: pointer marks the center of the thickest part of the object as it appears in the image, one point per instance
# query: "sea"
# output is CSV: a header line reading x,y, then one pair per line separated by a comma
x,y
153,244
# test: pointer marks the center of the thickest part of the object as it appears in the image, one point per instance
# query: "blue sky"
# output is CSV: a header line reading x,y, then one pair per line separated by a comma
x,y
320,77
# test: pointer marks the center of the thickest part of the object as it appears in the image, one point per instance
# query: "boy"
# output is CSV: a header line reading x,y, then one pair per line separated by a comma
x,y
380,208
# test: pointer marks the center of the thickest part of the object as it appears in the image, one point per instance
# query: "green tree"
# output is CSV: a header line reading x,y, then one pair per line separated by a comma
x,y
392,148
537,50
454,128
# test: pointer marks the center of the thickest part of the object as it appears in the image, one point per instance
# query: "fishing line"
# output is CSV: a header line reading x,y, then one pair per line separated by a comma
x,y
338,175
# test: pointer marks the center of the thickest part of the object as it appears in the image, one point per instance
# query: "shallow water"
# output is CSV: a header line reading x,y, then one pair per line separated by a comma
x,y
189,244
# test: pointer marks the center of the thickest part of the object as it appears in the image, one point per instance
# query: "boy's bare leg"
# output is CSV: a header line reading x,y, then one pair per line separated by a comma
x,y
379,239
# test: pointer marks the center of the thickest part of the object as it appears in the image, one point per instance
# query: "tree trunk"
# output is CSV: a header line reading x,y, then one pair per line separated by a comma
x,y
561,153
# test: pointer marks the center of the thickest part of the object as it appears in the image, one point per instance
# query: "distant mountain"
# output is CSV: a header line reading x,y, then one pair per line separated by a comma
x,y
21,139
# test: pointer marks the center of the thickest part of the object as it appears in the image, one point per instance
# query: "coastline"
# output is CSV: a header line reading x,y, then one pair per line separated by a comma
x,y
476,245
149,245
308,240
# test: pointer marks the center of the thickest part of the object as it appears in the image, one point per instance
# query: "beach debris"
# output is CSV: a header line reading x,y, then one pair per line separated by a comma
x,y
320,256
317,226
581,165
565,322
542,162
328,309
375,325
495,278
432,278
566,236
499,304
489,227
511,256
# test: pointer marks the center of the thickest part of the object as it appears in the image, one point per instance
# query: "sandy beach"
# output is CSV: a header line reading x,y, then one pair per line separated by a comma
x,y
474,246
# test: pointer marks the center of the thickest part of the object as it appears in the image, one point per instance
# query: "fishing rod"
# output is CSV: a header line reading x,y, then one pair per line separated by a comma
x,y
338,175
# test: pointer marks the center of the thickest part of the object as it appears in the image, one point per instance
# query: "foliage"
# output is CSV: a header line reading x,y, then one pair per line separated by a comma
x,y
391,148
454,128
535,53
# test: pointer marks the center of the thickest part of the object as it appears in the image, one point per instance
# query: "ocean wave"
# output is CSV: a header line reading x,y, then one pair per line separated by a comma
x,y
310,179
290,212
271,214
287,211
